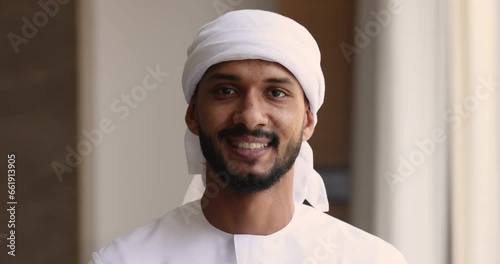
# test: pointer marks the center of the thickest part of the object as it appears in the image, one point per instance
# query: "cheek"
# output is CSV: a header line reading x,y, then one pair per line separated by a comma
x,y
289,123
210,118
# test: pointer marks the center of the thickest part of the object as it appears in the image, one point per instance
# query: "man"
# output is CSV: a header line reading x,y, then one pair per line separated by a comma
x,y
254,84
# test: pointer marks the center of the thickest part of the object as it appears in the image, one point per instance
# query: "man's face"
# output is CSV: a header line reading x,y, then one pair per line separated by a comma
x,y
252,117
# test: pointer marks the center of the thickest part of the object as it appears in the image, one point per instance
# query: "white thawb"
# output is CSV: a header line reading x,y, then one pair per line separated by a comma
x,y
185,236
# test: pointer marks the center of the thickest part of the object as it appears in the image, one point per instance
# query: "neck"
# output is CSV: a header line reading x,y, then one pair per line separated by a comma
x,y
260,213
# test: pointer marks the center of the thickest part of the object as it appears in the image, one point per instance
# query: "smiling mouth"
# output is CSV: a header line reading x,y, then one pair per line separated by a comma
x,y
249,145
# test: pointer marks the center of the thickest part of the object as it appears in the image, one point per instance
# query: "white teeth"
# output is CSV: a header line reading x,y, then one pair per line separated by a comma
x,y
247,145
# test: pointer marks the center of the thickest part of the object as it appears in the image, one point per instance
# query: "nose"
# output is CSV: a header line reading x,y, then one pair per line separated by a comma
x,y
250,112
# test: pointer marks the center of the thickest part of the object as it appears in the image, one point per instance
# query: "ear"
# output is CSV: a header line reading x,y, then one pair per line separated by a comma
x,y
308,125
191,117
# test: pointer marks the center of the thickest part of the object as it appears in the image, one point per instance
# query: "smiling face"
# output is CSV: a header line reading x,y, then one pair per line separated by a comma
x,y
251,116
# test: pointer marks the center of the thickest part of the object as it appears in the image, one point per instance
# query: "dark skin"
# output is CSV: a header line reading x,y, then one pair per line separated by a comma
x,y
255,94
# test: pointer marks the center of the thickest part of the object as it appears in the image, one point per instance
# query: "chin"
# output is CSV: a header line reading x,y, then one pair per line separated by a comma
x,y
244,170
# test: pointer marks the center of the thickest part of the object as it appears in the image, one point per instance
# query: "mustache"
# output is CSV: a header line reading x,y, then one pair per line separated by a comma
x,y
243,131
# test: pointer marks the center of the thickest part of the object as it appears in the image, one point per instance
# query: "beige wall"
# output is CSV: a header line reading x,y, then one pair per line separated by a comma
x,y
138,172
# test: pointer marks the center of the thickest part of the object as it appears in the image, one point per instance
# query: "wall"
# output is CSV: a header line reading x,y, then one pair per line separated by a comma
x,y
38,122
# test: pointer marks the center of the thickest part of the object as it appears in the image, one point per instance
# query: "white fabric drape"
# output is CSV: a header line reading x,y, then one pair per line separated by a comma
x,y
425,165
409,193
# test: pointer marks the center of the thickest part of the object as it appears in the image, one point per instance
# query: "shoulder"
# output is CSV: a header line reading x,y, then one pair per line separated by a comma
x,y
354,245
146,241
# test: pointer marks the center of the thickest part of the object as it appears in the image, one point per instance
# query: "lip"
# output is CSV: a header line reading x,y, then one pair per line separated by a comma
x,y
249,139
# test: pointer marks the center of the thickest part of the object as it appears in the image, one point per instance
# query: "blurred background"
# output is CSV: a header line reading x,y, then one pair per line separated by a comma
x,y
406,141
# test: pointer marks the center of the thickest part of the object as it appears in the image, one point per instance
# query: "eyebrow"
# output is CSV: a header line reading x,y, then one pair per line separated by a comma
x,y
284,80
224,76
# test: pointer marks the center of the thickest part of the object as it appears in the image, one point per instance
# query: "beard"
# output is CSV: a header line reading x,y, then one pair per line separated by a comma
x,y
249,182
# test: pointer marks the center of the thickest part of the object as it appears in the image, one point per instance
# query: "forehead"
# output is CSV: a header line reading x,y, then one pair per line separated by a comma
x,y
253,68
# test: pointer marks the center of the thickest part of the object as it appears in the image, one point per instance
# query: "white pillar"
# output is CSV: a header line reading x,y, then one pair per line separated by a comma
x,y
409,136
476,206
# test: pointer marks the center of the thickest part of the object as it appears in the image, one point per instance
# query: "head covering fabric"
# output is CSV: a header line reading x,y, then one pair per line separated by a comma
x,y
257,34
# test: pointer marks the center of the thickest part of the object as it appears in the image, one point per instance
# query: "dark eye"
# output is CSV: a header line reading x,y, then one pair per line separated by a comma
x,y
225,90
277,93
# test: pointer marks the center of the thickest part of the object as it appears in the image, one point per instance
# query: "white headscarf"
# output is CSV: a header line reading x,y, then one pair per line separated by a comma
x,y
257,34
